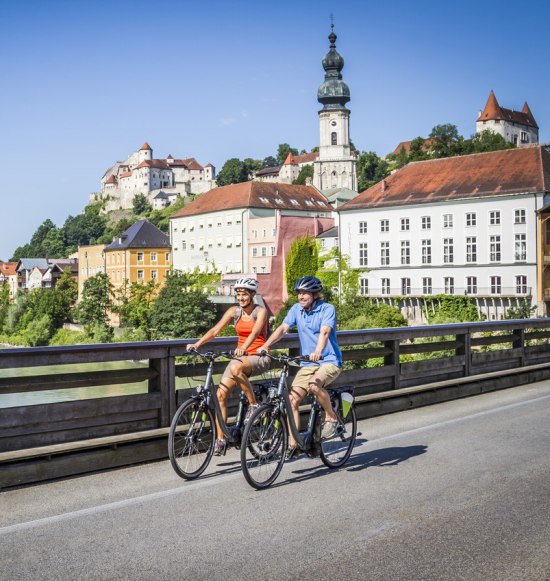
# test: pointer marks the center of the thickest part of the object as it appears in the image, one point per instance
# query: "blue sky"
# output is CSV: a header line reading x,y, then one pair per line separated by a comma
x,y
86,83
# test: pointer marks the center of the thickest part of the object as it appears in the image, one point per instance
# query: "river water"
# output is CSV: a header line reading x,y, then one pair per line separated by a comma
x,y
58,395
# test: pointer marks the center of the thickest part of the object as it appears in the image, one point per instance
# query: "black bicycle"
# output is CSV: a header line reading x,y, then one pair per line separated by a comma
x,y
193,431
265,436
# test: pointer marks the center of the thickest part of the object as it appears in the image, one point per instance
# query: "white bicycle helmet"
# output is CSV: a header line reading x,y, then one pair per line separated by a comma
x,y
246,283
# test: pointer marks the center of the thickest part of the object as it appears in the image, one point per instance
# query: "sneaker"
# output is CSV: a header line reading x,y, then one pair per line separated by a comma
x,y
292,452
329,429
220,448
251,409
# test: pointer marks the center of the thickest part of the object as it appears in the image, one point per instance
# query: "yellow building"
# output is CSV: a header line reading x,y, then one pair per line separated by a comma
x,y
91,261
141,254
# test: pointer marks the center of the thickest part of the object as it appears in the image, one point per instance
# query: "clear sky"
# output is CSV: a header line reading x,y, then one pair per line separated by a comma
x,y
85,83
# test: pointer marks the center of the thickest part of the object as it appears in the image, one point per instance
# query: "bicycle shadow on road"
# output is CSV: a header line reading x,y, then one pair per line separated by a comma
x,y
384,457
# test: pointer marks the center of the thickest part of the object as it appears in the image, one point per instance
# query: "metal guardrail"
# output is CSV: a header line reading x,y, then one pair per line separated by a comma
x,y
39,442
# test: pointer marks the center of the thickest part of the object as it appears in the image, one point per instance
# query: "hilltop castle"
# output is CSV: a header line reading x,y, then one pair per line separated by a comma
x,y
161,180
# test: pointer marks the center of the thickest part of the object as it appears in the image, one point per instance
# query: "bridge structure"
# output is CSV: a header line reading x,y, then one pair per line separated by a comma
x,y
405,368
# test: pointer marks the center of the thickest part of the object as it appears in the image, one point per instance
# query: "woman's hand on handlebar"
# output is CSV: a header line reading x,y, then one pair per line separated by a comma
x,y
191,347
240,352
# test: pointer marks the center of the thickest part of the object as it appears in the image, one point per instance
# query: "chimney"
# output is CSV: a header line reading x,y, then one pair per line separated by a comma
x,y
383,189
308,181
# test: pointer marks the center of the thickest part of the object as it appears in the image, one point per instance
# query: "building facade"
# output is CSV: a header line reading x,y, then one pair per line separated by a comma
x,y
462,225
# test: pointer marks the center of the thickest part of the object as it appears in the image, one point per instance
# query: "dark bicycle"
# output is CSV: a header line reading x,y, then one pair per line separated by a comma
x,y
193,431
265,436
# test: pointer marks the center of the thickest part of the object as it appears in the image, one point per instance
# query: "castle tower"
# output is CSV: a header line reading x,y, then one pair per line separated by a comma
x,y
517,127
145,153
335,166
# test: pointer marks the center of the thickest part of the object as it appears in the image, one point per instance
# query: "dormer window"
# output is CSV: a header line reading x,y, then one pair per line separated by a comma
x,y
309,203
264,200
294,202
279,201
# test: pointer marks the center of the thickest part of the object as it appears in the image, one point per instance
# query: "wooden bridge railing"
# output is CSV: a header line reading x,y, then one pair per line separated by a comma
x,y
48,440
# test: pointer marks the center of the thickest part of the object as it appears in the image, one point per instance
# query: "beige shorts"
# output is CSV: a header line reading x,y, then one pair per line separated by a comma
x,y
258,363
326,372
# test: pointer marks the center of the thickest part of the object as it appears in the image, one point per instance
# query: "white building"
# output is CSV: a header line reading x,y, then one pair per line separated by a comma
x,y
461,225
517,127
141,174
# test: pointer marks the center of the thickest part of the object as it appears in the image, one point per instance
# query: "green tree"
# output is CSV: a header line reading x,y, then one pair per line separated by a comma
x,y
445,140
523,310
269,161
4,304
370,169
282,152
135,306
181,311
85,228
67,290
95,305
487,140
302,260
251,166
452,309
305,172
232,172
141,205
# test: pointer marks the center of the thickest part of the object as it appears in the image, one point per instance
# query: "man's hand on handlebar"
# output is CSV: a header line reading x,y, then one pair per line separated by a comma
x,y
315,356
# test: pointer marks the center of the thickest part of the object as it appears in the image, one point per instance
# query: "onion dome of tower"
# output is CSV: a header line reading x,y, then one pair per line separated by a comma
x,y
333,93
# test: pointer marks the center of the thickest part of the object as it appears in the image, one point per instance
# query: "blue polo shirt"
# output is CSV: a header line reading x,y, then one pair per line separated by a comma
x,y
309,327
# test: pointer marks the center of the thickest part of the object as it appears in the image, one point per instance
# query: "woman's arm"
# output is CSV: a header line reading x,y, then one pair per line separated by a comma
x,y
215,330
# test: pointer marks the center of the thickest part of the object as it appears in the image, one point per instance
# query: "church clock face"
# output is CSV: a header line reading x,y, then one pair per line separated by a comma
x,y
333,123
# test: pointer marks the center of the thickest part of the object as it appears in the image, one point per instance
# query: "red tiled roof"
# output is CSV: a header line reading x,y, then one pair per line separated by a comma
x,y
493,111
8,268
126,174
289,159
158,163
250,194
306,157
521,170
111,179
145,146
189,163
426,146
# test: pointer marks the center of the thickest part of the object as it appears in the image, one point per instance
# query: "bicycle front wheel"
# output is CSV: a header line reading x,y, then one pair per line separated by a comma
x,y
191,439
336,451
263,446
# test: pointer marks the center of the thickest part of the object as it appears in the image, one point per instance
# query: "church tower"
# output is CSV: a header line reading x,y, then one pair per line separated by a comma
x,y
335,166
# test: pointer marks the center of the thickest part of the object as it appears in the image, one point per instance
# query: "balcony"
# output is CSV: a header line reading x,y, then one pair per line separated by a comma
x,y
480,292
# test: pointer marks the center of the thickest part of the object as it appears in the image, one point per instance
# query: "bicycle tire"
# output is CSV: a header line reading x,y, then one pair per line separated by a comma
x,y
336,451
191,439
264,446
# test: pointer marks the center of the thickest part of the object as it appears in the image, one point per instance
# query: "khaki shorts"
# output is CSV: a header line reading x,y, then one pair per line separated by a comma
x,y
258,363
326,372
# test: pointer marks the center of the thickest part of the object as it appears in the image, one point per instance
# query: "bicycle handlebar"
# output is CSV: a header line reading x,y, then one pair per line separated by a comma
x,y
212,356
286,358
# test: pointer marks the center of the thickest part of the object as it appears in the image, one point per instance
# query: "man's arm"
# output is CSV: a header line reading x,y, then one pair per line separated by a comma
x,y
321,343
279,332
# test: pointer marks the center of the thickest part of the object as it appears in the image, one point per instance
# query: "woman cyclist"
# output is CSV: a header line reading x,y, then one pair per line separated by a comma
x,y
251,325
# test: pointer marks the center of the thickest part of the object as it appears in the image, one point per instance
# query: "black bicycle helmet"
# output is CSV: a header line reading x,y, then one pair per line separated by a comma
x,y
311,284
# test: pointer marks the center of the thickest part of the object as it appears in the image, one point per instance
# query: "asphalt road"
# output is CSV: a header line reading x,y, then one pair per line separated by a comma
x,y
459,490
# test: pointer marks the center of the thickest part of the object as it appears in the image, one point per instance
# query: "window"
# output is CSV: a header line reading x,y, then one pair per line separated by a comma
x,y
405,252
405,224
471,219
384,225
427,285
471,249
140,256
521,284
385,286
385,253
273,251
426,251
426,222
520,247
167,256
449,283
264,251
153,256
448,251
494,218
254,252
405,286
362,227
333,138
519,216
447,220
471,285
364,286
140,274
363,254
183,245
154,274
496,285
494,248
524,137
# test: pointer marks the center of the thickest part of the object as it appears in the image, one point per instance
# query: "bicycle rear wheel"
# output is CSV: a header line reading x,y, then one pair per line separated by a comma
x,y
336,451
191,439
264,446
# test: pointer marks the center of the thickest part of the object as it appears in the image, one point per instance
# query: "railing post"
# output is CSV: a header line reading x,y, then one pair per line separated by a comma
x,y
519,343
466,352
393,360
164,383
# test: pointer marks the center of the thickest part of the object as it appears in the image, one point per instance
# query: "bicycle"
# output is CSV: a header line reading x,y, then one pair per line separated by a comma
x,y
265,436
193,431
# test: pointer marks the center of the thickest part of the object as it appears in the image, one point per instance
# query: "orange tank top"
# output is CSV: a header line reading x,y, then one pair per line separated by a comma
x,y
244,328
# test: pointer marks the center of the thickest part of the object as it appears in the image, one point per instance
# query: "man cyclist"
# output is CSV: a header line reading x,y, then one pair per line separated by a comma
x,y
316,324
250,322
